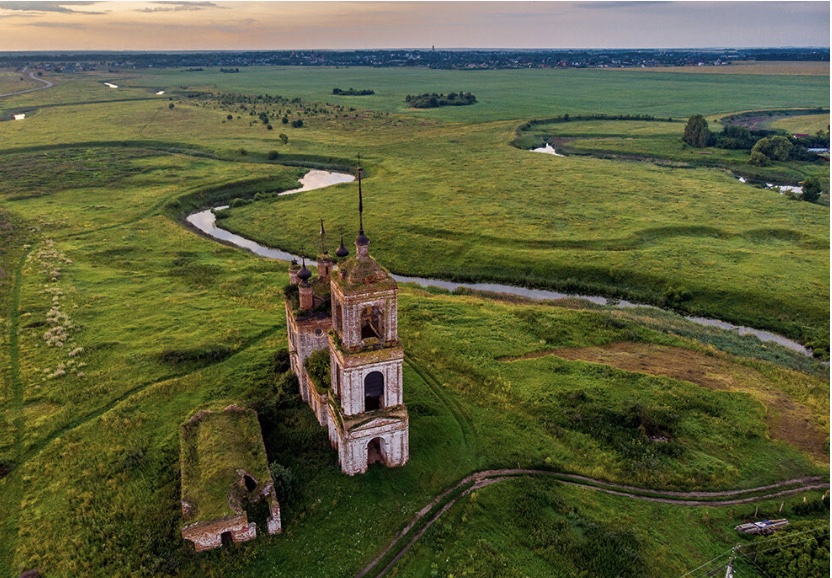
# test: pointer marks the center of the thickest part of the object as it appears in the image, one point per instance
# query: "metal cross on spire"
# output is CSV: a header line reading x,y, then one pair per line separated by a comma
x,y
323,238
361,240
360,200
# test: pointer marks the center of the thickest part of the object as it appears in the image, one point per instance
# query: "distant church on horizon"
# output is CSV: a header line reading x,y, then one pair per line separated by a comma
x,y
351,310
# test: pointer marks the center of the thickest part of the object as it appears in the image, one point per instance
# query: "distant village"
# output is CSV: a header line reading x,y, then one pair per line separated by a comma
x,y
424,58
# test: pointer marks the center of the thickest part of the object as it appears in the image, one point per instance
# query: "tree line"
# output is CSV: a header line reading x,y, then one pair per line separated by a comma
x,y
433,100
764,147
353,92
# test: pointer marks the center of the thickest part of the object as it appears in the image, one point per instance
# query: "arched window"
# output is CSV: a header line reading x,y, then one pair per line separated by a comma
x,y
370,323
373,391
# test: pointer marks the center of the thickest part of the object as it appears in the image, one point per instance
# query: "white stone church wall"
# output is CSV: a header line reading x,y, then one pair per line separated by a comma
x,y
395,450
352,385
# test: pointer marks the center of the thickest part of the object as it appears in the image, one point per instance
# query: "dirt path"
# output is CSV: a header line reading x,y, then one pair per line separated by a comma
x,y
32,75
488,477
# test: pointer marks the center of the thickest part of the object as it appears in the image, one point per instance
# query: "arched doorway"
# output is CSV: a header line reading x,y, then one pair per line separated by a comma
x,y
373,391
374,451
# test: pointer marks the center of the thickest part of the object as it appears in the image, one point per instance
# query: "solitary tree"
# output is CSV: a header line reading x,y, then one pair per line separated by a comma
x,y
697,133
811,189
775,148
283,138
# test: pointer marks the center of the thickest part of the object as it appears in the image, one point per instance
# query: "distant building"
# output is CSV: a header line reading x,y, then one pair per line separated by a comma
x,y
351,310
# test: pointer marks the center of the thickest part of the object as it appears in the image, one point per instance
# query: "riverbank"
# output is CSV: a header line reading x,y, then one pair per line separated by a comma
x,y
205,221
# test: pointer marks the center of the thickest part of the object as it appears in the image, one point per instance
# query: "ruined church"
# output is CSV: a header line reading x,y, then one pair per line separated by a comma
x,y
350,311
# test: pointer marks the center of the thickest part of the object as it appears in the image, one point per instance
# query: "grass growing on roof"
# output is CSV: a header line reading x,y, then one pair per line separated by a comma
x,y
215,446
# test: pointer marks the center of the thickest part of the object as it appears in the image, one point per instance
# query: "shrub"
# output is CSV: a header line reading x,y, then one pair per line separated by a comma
x,y
758,159
812,188
284,482
697,133
775,148
281,361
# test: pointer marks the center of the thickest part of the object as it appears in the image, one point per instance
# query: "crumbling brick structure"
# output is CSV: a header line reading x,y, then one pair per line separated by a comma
x,y
351,310
223,463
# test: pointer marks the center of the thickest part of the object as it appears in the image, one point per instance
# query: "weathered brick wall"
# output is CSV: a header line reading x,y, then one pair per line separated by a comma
x,y
208,535
305,336
318,403
352,307
352,385
395,448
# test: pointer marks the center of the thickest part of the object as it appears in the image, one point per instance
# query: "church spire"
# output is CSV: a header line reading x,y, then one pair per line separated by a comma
x,y
323,239
361,241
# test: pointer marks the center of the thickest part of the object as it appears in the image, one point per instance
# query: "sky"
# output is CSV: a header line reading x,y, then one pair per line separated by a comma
x,y
205,25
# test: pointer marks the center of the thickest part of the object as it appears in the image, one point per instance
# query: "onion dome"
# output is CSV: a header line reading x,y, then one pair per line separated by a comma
x,y
304,274
362,239
342,251
295,264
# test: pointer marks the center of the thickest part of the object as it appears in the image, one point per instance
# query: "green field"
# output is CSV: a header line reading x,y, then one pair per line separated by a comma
x,y
118,322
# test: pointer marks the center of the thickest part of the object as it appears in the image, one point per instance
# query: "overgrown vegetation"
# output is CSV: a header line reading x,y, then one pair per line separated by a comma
x,y
433,100
353,92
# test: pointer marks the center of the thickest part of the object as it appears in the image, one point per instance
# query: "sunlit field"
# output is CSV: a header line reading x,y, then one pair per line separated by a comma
x,y
119,322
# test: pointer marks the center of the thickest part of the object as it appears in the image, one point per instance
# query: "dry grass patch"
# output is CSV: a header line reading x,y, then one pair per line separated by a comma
x,y
788,421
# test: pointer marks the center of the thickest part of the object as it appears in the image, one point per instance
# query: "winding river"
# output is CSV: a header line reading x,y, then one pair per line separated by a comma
x,y
205,221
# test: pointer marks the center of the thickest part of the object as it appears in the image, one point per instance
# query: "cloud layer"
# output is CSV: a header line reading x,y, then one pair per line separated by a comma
x,y
203,25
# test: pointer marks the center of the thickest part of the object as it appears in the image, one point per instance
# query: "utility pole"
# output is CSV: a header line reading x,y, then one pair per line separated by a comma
x,y
729,570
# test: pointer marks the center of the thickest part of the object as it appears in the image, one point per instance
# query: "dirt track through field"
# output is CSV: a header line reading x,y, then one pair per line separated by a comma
x,y
46,83
488,477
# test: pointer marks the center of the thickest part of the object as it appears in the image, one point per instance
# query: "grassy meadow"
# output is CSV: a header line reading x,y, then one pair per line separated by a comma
x,y
118,322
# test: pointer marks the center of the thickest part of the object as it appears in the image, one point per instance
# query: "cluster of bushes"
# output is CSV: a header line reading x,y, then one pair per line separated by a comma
x,y
765,147
318,369
797,552
769,144
434,100
353,92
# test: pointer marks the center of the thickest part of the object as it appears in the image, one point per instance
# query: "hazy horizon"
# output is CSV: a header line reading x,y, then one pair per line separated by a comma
x,y
205,26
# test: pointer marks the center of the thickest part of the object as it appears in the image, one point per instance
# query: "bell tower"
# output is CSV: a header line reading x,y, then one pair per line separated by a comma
x,y
369,419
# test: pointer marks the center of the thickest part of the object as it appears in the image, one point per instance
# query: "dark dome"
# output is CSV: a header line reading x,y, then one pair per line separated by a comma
x,y
295,264
342,251
362,239
304,274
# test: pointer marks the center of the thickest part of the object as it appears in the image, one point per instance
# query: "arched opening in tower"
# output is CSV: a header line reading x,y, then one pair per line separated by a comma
x,y
370,323
374,451
373,391
251,485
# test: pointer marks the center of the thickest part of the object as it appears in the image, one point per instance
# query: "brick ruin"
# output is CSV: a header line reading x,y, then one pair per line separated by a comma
x,y
351,310
223,463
